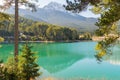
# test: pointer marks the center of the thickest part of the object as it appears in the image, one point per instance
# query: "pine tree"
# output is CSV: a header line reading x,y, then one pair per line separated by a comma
x,y
7,4
27,66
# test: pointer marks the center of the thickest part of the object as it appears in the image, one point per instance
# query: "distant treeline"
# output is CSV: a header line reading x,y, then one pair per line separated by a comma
x,y
34,30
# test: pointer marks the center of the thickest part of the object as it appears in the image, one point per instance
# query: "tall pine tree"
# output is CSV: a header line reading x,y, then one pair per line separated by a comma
x,y
7,4
27,66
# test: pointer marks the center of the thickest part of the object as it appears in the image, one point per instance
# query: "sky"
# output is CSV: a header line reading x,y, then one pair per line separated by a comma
x,y
45,2
42,3
86,13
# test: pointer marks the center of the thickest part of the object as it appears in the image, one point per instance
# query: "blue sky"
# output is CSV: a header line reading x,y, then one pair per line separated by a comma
x,y
87,13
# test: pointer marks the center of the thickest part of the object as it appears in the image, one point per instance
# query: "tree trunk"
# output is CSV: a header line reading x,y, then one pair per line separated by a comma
x,y
16,32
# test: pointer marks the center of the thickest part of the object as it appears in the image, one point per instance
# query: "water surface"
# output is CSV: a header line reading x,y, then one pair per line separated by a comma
x,y
71,60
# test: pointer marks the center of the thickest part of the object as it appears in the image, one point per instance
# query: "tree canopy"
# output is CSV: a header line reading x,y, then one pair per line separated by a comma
x,y
25,69
26,3
34,30
107,23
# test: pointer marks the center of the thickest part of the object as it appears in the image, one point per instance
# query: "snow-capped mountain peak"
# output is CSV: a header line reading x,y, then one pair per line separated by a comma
x,y
54,6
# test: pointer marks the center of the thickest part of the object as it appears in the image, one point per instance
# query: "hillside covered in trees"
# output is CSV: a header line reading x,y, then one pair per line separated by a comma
x,y
55,13
34,30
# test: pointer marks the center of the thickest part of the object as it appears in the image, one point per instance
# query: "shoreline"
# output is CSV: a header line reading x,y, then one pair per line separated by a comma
x,y
62,41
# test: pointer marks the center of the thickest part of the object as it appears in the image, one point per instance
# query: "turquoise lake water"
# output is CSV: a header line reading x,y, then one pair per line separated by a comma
x,y
72,60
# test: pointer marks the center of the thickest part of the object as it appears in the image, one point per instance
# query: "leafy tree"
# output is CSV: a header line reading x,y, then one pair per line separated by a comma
x,y
33,30
25,69
3,16
2,72
50,33
79,5
74,34
8,71
27,66
107,23
86,36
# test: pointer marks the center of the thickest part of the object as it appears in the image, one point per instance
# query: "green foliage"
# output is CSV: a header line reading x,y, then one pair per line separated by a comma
x,y
25,69
2,72
104,47
27,3
79,5
61,33
27,66
4,16
85,36
33,30
1,39
96,9
8,71
107,23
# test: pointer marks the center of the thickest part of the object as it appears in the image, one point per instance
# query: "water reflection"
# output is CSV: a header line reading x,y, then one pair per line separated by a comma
x,y
115,57
56,64
55,57
88,68
72,60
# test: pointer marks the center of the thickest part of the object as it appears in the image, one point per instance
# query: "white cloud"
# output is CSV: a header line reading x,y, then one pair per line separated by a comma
x,y
45,2
88,13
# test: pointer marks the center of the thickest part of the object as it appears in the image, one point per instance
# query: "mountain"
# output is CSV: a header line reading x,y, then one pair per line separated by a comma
x,y
54,13
54,6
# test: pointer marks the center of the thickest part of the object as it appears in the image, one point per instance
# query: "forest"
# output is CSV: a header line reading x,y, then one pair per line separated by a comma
x,y
36,31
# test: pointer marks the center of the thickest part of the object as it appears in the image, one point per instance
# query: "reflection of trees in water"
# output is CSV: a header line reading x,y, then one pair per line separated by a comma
x,y
115,58
58,63
55,57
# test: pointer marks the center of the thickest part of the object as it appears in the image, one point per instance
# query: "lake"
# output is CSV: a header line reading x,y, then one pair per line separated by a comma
x,y
72,60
